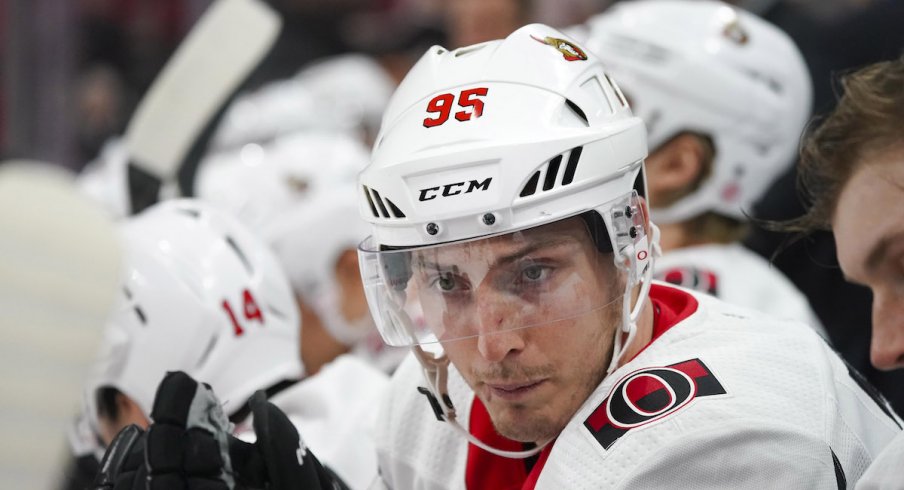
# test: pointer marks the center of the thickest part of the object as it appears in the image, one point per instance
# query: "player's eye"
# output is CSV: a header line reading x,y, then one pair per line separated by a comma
x,y
534,272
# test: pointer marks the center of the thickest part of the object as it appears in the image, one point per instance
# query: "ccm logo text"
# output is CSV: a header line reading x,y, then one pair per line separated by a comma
x,y
454,189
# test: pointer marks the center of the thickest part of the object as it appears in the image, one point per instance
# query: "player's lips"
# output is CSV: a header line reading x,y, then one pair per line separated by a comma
x,y
514,391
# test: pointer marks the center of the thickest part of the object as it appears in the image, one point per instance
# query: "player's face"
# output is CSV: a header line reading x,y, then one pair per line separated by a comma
x,y
869,231
541,317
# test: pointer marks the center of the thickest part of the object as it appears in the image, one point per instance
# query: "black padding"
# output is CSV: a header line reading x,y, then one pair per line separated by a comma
x,y
174,398
165,447
168,481
202,454
207,484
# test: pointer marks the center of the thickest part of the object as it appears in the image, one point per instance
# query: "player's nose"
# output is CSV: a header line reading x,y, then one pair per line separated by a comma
x,y
497,330
887,347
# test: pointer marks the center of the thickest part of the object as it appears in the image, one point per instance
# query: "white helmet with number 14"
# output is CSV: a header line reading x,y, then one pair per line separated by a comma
x,y
204,296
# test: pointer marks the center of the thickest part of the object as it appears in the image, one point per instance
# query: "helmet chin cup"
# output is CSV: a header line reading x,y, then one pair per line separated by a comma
x,y
436,372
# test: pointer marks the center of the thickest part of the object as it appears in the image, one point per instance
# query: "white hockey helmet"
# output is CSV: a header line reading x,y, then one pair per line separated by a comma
x,y
483,143
343,93
201,295
298,194
712,69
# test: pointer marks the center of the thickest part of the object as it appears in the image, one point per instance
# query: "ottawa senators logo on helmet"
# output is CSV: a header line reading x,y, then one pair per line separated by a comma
x,y
568,49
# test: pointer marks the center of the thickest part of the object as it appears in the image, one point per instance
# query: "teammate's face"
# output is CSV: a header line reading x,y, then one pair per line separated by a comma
x,y
128,413
543,323
869,231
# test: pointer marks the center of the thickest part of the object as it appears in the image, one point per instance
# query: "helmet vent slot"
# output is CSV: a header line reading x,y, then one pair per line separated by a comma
x,y
550,173
240,254
380,206
206,353
617,90
467,50
370,201
379,200
577,110
140,314
572,165
531,187
395,209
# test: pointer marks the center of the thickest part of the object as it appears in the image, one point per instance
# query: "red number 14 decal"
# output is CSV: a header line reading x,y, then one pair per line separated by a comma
x,y
249,307
441,105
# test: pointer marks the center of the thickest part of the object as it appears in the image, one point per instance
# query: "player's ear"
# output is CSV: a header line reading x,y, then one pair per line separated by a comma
x,y
674,167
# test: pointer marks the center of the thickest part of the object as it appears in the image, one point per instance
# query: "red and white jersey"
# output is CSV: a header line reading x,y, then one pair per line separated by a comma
x,y
887,471
722,397
335,412
738,276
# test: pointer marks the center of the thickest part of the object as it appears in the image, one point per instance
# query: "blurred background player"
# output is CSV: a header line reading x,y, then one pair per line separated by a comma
x,y
60,265
298,194
724,96
343,93
199,294
204,296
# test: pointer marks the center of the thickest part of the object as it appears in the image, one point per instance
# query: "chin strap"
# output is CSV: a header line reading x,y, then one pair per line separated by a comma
x,y
436,371
629,315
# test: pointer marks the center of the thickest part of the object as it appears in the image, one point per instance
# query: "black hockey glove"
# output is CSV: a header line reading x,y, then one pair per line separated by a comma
x,y
189,447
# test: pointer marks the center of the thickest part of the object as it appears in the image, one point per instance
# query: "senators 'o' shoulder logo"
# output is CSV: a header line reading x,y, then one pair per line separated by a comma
x,y
648,395
569,50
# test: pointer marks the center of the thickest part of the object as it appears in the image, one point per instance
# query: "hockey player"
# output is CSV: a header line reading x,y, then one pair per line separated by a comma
x,y
204,296
200,295
298,194
852,168
342,93
724,95
506,197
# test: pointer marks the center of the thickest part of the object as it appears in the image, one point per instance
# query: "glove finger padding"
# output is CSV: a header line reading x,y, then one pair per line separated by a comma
x,y
187,446
285,458
123,465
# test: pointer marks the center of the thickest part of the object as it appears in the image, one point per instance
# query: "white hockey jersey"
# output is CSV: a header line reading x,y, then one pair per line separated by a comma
x,y
738,276
722,397
887,471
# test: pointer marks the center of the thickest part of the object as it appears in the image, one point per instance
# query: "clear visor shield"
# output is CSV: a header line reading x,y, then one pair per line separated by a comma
x,y
547,275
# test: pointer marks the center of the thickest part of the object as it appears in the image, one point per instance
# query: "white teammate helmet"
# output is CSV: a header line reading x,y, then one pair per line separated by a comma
x,y
298,195
201,295
342,93
706,67
500,141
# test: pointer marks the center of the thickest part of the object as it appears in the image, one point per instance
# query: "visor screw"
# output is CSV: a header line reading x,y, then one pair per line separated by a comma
x,y
633,232
629,212
432,229
489,219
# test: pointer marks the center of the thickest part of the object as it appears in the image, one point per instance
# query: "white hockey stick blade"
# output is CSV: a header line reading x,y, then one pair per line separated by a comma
x,y
226,43
60,266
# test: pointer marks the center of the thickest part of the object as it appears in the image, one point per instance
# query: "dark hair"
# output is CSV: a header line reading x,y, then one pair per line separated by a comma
x,y
869,118
105,398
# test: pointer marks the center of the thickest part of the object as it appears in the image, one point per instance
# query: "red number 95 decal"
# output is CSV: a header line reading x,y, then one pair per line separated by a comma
x,y
441,105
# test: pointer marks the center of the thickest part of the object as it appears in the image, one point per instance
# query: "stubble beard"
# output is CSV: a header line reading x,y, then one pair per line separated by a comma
x,y
538,424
